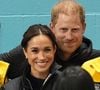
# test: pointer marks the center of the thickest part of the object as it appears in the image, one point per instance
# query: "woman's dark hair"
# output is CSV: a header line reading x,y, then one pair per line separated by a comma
x,y
35,30
74,78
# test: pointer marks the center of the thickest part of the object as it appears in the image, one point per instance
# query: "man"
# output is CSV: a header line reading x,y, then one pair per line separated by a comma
x,y
68,25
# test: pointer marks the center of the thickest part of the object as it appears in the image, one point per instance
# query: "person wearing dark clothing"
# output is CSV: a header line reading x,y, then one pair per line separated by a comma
x,y
74,78
84,53
68,25
16,58
41,70
28,82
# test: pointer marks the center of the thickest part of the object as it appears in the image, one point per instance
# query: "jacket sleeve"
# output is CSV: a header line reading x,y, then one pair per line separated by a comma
x,y
3,71
16,59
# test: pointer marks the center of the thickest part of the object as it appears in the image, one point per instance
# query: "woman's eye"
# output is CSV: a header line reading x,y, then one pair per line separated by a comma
x,y
48,50
35,51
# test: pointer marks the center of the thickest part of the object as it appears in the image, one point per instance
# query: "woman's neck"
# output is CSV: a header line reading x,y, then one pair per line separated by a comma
x,y
40,75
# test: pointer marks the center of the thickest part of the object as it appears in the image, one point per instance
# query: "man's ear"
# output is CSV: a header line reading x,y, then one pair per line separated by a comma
x,y
84,27
51,27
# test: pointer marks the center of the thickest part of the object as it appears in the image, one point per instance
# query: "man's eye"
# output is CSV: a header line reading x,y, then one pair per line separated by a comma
x,y
64,29
75,29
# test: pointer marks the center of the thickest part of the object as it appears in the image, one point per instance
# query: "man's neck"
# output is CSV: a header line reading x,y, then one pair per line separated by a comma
x,y
66,56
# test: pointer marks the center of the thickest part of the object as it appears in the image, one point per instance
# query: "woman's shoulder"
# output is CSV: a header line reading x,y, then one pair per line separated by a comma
x,y
13,84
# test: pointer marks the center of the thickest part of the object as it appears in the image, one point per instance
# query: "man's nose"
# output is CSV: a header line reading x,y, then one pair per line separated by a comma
x,y
68,35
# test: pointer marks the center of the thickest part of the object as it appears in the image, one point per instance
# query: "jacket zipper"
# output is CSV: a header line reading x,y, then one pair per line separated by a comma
x,y
29,83
46,79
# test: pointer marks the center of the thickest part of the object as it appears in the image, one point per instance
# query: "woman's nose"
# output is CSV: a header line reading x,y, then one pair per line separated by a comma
x,y
41,55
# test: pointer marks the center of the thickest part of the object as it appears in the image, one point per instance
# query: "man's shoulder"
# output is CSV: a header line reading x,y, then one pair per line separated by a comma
x,y
95,53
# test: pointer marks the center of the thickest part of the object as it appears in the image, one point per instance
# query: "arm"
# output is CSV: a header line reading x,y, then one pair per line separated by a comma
x,y
16,59
3,70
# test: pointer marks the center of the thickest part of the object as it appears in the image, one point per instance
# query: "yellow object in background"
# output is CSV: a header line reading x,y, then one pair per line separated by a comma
x,y
3,70
93,67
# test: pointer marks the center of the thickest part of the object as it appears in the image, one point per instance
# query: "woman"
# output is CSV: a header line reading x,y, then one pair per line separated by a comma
x,y
74,78
39,47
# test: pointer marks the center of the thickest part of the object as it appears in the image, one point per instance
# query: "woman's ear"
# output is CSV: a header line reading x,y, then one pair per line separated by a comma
x,y
25,53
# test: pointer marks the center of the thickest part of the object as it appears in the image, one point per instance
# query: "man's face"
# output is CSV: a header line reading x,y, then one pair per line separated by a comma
x,y
69,32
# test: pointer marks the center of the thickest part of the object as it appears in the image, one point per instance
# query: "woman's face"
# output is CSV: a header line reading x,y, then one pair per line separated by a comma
x,y
40,54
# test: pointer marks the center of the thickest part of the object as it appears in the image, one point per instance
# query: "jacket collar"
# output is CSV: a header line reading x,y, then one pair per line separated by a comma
x,y
26,82
84,50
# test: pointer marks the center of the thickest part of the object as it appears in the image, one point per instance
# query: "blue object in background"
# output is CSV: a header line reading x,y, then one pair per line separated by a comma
x,y
17,15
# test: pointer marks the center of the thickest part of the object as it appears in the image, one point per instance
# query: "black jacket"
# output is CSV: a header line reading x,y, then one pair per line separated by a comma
x,y
84,53
24,82
16,58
